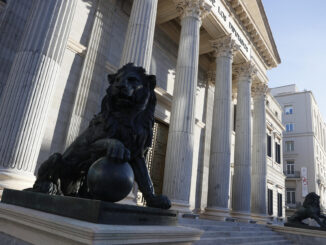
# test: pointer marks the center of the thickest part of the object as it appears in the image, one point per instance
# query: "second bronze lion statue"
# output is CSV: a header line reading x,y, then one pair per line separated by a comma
x,y
122,131
309,209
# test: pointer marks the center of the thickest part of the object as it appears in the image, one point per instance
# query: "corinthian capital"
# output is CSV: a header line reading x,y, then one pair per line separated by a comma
x,y
211,75
195,8
247,69
258,89
224,46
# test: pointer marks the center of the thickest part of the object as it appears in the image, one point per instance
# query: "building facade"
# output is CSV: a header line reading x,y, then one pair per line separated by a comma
x,y
209,57
304,145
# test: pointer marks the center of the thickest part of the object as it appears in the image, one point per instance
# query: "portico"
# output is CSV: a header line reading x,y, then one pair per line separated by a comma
x,y
203,168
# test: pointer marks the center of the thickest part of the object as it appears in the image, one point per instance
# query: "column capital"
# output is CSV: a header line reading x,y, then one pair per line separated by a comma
x,y
211,76
195,8
259,89
224,46
247,69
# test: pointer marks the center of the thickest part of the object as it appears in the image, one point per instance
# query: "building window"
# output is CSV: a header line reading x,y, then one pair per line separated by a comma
x,y
270,202
289,167
279,205
290,196
269,145
289,127
277,152
289,146
288,110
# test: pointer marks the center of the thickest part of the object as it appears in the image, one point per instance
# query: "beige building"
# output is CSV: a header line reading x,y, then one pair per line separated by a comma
x,y
207,55
304,145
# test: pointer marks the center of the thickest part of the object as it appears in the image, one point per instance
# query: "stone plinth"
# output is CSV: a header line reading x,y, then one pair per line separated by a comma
x,y
39,228
94,211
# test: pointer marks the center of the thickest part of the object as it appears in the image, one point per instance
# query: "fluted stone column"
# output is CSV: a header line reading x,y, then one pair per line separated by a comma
x,y
26,98
259,146
94,59
203,166
241,185
140,34
12,25
220,154
179,154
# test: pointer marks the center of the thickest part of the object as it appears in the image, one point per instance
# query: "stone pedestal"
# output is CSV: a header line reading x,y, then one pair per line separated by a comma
x,y
220,153
140,34
27,95
19,224
179,154
259,146
241,185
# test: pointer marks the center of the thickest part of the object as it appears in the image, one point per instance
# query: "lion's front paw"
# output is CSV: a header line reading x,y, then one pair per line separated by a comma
x,y
116,150
158,201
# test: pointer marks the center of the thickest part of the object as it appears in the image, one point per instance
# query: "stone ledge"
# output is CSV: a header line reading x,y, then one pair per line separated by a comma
x,y
299,231
41,228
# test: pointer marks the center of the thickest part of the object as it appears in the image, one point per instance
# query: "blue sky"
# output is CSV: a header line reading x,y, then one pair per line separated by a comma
x,y
299,30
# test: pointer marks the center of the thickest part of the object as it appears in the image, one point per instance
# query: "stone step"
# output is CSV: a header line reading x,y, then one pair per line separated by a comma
x,y
273,239
227,228
215,222
237,234
280,242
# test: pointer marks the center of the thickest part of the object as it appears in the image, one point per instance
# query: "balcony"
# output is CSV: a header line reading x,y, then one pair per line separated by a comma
x,y
293,205
294,175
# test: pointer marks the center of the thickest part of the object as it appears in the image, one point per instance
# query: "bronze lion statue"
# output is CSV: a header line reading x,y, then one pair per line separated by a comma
x,y
309,209
122,130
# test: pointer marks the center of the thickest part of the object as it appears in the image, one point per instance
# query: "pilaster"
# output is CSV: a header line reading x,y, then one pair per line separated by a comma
x,y
93,64
179,155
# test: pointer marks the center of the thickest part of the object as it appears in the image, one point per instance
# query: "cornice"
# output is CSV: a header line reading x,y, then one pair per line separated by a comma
x,y
241,13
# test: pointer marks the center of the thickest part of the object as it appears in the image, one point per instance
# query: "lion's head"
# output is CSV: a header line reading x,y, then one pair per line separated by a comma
x,y
130,89
311,200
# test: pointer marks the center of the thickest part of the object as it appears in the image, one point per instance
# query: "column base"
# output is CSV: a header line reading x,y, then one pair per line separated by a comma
x,y
15,180
242,216
261,218
182,208
216,213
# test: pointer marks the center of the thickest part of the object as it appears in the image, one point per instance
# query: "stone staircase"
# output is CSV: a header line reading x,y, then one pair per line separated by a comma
x,y
226,232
